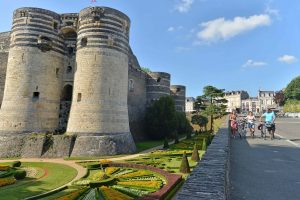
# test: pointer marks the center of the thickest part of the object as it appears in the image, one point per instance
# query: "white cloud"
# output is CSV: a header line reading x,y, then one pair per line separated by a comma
x,y
252,63
222,29
184,6
171,28
287,59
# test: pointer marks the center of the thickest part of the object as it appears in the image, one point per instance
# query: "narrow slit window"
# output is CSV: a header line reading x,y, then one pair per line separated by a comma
x,y
57,72
78,97
36,95
83,42
158,79
55,25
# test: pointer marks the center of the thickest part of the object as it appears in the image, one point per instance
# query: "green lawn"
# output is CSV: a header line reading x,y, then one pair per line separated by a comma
x,y
55,175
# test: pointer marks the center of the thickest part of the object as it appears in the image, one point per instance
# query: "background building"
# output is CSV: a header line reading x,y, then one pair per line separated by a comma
x,y
234,99
189,104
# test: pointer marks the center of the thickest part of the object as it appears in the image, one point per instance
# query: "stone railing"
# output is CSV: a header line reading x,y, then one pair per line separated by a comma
x,y
210,178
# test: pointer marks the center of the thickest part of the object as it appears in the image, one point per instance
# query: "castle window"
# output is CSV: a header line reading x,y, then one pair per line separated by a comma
x,y
158,79
96,18
36,95
70,50
131,85
44,43
83,42
69,69
178,89
78,97
69,23
55,25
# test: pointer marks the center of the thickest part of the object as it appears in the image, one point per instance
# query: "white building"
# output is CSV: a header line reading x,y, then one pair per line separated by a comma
x,y
266,99
234,99
251,104
189,104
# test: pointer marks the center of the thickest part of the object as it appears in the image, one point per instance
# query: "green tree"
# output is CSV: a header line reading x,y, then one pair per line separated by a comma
x,y
200,120
161,119
145,69
292,91
216,107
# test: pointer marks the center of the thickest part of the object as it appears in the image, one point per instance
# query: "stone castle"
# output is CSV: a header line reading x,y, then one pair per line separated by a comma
x,y
74,73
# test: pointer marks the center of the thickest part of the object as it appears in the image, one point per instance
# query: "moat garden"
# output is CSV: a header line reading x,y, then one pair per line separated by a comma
x,y
157,174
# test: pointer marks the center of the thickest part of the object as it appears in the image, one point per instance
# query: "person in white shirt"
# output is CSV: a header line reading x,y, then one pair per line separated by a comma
x,y
250,120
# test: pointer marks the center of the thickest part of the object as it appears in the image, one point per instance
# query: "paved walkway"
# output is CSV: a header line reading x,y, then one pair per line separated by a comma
x,y
265,169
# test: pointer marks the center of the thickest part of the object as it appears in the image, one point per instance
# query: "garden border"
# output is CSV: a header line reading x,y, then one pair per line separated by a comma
x,y
172,179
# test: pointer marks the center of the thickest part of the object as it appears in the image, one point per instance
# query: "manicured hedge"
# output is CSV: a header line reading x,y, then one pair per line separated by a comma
x,y
19,174
16,164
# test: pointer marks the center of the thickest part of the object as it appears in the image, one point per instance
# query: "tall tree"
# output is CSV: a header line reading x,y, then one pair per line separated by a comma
x,y
161,120
279,98
292,91
216,107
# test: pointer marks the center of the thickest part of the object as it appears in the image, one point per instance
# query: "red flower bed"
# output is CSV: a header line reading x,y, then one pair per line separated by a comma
x,y
172,180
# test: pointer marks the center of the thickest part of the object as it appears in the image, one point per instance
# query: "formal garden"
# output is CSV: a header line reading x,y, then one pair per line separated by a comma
x,y
152,174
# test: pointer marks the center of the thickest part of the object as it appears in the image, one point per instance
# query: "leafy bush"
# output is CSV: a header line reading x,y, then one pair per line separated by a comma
x,y
292,106
161,118
20,174
16,164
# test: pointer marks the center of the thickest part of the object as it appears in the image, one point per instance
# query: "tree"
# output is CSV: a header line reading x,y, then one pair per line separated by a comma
x,y
216,107
183,124
292,91
161,119
279,98
200,120
145,69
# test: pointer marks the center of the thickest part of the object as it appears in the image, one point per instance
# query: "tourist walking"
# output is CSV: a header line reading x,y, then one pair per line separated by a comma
x,y
233,123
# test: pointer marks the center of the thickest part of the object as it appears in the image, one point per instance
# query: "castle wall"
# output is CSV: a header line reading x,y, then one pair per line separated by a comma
x,y
4,48
34,73
158,85
178,94
99,112
137,102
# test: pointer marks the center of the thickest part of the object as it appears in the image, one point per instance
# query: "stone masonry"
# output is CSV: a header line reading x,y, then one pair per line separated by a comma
x,y
75,73
209,179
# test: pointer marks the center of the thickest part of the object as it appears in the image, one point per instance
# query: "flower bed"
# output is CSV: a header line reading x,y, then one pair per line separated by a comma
x,y
136,174
7,181
152,184
73,195
108,193
111,170
4,167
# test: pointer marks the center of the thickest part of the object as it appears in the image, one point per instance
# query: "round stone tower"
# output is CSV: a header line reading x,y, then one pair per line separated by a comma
x,y
178,94
158,85
34,72
99,112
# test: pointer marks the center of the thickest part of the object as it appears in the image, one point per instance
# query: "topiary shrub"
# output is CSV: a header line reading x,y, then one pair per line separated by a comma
x,y
16,164
195,154
204,144
184,167
20,174
166,144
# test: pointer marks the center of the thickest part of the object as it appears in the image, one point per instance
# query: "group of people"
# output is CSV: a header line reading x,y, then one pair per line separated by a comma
x,y
268,123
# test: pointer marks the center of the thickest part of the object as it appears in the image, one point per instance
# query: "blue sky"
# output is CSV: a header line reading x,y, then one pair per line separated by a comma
x,y
233,44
